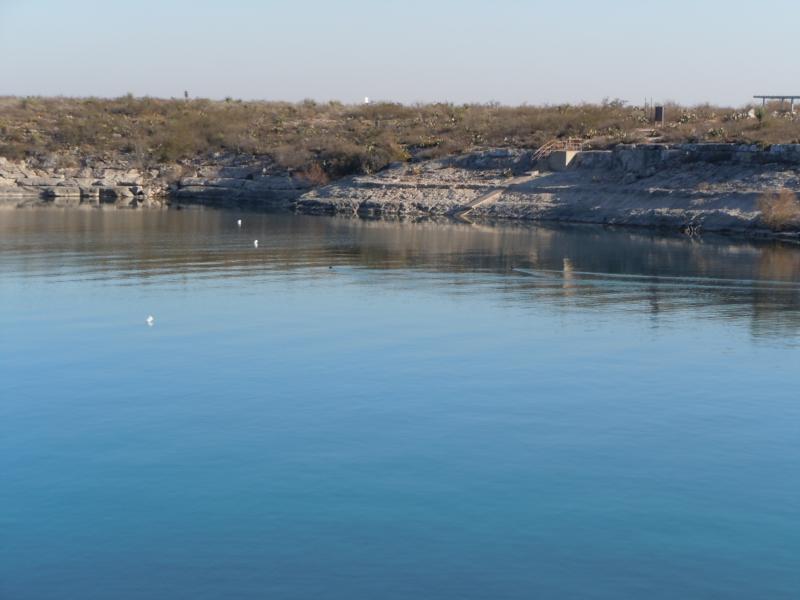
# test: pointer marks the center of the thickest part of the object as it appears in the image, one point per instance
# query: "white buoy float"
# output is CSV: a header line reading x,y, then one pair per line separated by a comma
x,y
239,223
255,243
150,320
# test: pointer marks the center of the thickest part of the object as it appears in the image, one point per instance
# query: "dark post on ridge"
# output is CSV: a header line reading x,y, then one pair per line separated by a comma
x,y
659,115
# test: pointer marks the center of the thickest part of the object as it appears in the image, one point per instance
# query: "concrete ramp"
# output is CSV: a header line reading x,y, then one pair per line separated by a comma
x,y
486,198
559,160
493,195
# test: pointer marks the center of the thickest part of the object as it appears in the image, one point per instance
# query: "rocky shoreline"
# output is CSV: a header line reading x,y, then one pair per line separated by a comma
x,y
228,180
712,187
694,187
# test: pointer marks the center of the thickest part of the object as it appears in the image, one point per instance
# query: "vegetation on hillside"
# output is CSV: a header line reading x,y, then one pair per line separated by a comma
x,y
333,139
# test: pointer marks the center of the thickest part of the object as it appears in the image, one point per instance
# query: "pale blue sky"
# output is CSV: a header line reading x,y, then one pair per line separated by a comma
x,y
462,51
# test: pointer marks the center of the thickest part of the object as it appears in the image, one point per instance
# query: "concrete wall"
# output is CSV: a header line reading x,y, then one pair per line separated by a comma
x,y
559,160
645,159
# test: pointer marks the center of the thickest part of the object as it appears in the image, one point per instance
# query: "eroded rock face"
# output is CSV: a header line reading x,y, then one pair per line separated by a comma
x,y
61,191
50,183
708,186
240,185
221,179
39,181
713,186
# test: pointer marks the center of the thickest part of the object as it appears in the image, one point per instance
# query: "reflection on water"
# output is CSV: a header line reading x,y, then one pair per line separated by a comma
x,y
586,267
368,409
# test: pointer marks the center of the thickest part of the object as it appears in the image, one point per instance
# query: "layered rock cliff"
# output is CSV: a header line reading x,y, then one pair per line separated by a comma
x,y
690,186
221,179
712,187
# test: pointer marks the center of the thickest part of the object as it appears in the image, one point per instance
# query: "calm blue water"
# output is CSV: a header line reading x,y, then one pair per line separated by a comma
x,y
451,411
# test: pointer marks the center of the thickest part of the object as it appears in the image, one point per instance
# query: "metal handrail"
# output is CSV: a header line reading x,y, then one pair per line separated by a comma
x,y
574,144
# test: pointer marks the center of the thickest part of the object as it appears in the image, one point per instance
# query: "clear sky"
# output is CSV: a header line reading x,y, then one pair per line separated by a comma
x,y
510,51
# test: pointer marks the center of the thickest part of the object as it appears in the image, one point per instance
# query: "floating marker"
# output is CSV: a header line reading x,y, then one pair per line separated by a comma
x,y
255,243
150,320
239,222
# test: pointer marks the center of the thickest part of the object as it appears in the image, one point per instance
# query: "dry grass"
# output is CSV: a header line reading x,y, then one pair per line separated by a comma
x,y
779,210
342,139
314,174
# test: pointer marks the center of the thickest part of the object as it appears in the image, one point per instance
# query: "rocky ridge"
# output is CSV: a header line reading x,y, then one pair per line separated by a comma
x,y
228,179
690,186
694,187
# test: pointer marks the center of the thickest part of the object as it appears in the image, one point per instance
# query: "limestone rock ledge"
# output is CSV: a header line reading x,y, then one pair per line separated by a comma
x,y
712,187
27,182
218,180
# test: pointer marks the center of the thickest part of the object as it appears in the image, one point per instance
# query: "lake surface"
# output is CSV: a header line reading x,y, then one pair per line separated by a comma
x,y
367,409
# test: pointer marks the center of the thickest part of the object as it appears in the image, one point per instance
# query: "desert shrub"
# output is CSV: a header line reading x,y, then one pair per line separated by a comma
x,y
779,210
341,158
292,157
343,139
314,174
13,151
